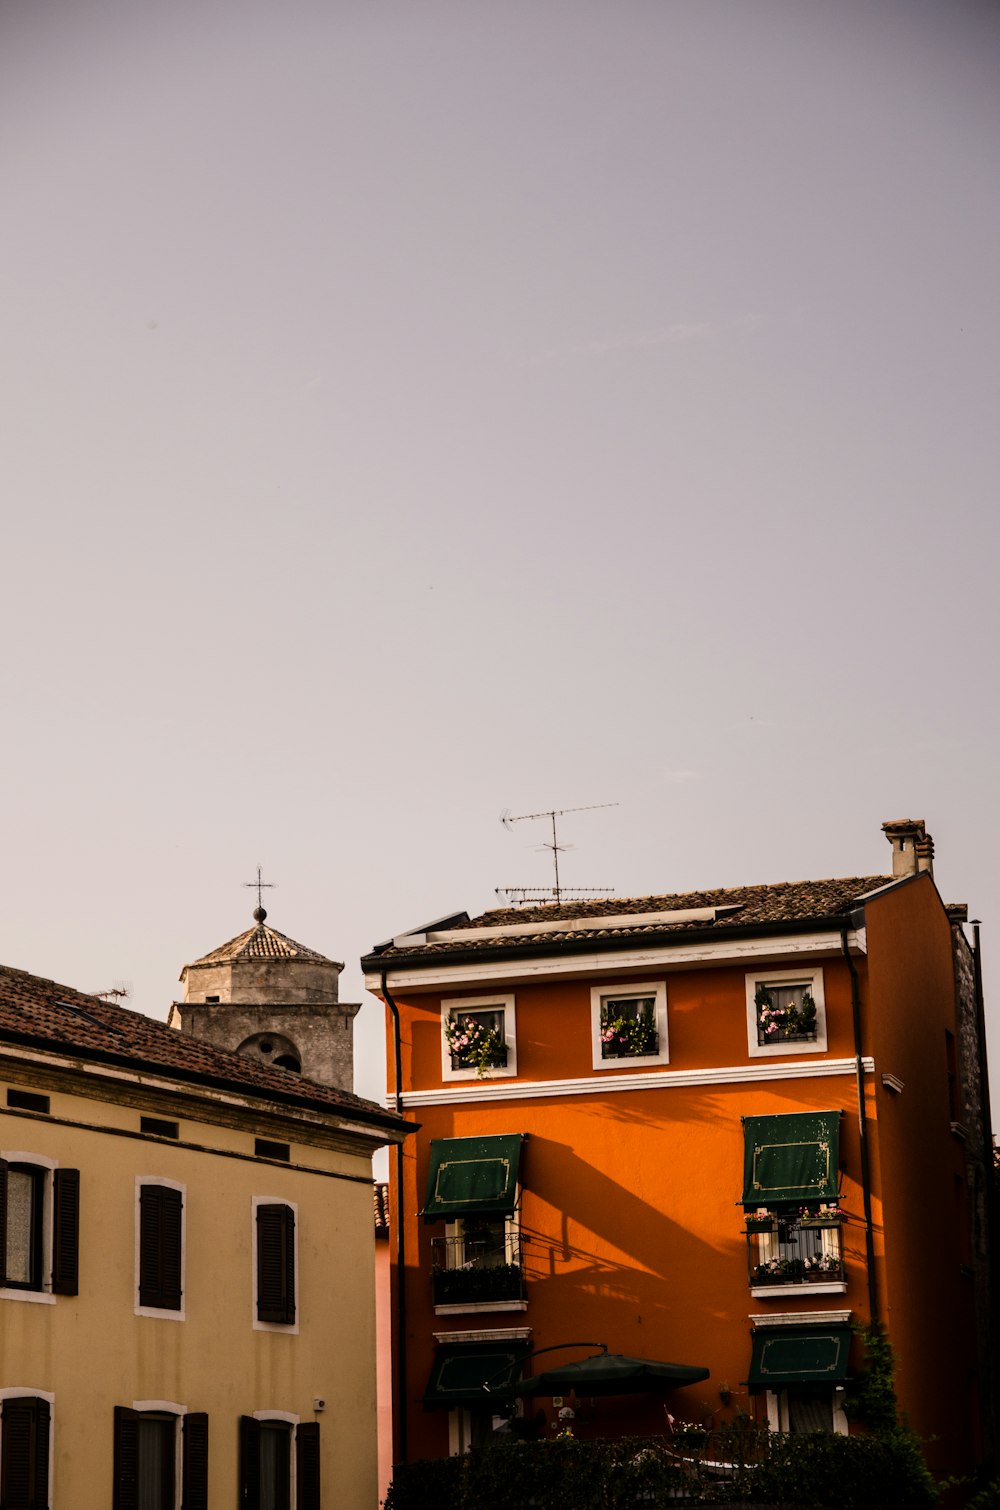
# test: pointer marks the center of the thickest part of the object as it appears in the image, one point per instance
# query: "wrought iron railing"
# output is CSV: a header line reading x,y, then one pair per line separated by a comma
x,y
474,1270
794,1251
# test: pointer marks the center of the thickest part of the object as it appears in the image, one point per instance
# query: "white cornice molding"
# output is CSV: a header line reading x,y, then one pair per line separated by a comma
x,y
437,972
655,1080
801,1318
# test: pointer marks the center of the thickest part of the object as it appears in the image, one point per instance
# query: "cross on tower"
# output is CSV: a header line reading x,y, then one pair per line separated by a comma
x,y
261,886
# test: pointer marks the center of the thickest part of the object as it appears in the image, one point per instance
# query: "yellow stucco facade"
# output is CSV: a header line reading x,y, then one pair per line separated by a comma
x,y
86,1354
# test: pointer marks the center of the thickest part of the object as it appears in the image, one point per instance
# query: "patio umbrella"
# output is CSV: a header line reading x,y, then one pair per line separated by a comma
x,y
609,1374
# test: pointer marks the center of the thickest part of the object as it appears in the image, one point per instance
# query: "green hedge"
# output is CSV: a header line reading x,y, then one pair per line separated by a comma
x,y
819,1472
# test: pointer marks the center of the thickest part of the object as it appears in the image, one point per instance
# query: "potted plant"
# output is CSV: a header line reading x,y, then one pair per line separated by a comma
x,y
789,1021
624,1036
475,1043
823,1215
760,1220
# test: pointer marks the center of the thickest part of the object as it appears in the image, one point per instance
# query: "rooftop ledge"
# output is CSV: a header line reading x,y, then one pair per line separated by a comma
x,y
587,923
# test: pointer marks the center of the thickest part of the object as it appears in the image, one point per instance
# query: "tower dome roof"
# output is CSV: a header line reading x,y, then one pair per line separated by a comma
x,y
262,942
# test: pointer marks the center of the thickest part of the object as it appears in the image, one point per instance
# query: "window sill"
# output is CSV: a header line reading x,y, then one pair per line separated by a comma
x,y
621,1062
465,1307
159,1313
497,1072
33,1297
788,1048
780,1292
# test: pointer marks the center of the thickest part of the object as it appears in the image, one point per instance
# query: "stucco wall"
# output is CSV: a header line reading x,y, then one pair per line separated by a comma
x,y
322,1032
93,1353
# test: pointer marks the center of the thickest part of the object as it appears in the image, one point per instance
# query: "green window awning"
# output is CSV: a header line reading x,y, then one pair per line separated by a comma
x,y
794,1157
799,1355
472,1177
461,1369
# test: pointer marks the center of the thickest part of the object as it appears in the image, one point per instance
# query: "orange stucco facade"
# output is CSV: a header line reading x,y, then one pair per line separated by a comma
x,y
629,1220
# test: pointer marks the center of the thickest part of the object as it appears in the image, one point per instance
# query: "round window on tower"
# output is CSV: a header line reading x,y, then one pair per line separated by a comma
x,y
272,1048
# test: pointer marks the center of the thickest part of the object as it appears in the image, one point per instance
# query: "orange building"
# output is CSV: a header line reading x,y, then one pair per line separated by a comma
x,y
718,1130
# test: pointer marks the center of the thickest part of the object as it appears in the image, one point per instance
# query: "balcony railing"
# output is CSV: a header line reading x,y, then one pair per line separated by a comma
x,y
794,1252
476,1270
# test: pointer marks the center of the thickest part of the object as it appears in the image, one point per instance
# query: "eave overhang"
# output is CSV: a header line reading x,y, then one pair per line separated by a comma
x,y
437,961
363,1118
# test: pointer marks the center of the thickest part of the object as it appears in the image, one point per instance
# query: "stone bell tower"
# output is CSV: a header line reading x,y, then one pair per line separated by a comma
x,y
274,1000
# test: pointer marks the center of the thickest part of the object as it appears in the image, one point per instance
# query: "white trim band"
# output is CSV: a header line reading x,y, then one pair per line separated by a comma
x,y
657,1080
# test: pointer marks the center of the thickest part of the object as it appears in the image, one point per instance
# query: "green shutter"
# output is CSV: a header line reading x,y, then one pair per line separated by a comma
x,y
307,1466
160,1220
3,1220
126,1459
66,1232
24,1454
194,1461
276,1264
472,1177
249,1488
794,1157
799,1355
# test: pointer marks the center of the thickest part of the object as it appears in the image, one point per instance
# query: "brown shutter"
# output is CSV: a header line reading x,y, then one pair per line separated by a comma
x,y
42,1428
3,1220
249,1464
307,1466
194,1492
66,1232
126,1459
160,1218
275,1264
24,1454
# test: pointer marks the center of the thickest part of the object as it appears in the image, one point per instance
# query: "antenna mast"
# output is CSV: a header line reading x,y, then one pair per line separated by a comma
x,y
552,813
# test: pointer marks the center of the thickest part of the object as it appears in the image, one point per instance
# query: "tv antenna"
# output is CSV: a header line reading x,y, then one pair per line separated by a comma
x,y
520,895
121,990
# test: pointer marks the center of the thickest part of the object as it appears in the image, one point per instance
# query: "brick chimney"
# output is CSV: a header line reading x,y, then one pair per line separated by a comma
x,y
912,847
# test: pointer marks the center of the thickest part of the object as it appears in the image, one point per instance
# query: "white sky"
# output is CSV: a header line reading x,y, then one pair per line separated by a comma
x,y
415,411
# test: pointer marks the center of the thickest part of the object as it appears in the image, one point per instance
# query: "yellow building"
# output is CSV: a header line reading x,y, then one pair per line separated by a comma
x,y
187,1297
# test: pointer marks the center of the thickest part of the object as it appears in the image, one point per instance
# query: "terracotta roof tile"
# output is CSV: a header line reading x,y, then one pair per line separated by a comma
x,y
381,1194
61,1019
261,942
752,906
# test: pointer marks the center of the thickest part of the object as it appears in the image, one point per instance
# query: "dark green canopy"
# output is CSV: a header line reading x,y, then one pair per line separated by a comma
x,y
472,1177
799,1355
611,1374
462,1370
794,1157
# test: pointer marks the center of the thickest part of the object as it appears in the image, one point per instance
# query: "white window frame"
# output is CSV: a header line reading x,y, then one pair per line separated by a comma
x,y
43,1296
627,990
290,1327
286,1418
18,1392
456,1005
813,981
159,1312
169,1408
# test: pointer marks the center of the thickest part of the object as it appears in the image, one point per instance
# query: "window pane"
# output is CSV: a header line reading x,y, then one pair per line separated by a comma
x,y
275,1465
20,1223
157,1438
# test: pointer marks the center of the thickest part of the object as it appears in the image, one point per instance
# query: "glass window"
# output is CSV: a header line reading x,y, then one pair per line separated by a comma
x,y
23,1249
628,1026
478,1039
275,1465
157,1437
